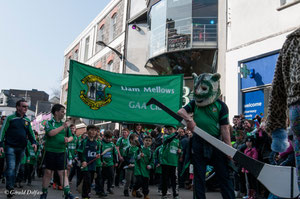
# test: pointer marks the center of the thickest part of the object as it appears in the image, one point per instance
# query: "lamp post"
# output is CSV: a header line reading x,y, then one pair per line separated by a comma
x,y
101,43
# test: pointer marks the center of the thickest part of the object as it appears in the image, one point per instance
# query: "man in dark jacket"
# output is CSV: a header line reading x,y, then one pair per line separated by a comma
x,y
13,140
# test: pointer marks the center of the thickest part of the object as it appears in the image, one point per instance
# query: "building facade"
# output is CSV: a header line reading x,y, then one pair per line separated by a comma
x,y
238,39
254,37
108,27
8,99
173,36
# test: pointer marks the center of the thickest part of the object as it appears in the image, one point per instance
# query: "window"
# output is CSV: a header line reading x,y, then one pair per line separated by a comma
x,y
100,37
76,55
86,49
67,65
113,27
110,66
1,100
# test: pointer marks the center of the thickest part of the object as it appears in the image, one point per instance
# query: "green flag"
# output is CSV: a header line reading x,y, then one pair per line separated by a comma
x,y
102,95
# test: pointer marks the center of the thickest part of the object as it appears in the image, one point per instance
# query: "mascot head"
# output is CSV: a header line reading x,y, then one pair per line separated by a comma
x,y
206,88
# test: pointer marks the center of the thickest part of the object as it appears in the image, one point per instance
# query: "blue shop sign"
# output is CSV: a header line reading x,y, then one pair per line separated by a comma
x,y
259,71
253,103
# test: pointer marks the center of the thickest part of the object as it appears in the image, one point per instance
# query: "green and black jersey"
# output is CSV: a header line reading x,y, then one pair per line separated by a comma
x,y
72,147
55,143
88,150
110,157
15,131
170,155
130,154
210,117
141,163
122,143
158,159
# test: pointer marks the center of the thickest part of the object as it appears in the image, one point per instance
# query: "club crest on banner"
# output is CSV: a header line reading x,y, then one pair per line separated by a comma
x,y
95,97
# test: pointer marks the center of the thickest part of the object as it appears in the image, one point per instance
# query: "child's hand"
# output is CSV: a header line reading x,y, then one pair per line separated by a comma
x,y
98,156
131,165
142,155
179,151
158,165
116,165
83,164
149,167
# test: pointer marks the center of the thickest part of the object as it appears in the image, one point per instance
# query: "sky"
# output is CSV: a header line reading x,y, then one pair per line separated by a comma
x,y
33,37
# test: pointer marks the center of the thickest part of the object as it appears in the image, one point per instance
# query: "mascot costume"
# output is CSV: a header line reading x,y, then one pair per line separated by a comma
x,y
286,94
210,114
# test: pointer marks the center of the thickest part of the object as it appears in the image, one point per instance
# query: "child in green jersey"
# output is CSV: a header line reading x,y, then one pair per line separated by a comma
x,y
98,166
170,157
121,145
109,160
89,151
157,161
144,162
129,159
31,160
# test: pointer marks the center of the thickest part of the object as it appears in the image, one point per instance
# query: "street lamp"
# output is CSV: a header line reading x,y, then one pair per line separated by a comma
x,y
101,43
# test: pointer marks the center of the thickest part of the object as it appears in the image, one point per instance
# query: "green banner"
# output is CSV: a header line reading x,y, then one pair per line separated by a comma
x,y
102,95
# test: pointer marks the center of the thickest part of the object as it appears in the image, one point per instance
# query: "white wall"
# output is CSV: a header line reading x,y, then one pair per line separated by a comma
x,y
136,6
254,28
137,50
233,94
256,19
4,97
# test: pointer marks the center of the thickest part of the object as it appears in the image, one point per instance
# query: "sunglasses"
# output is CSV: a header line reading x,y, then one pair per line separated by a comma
x,y
25,106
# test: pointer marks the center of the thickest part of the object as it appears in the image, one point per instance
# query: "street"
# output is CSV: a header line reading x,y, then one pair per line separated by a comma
x,y
34,192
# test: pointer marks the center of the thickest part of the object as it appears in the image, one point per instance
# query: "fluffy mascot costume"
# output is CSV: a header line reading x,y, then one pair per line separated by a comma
x,y
285,95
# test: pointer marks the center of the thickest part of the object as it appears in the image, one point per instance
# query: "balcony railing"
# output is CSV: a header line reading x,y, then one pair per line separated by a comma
x,y
183,34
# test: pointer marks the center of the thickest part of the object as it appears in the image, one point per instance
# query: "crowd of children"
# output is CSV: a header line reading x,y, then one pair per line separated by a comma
x,y
97,162
132,159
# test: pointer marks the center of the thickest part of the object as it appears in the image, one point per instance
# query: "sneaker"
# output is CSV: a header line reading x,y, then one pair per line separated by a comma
x,y
138,194
10,193
110,191
60,188
133,193
176,197
69,196
238,194
102,194
147,197
54,186
43,196
126,193
164,197
19,185
168,193
159,192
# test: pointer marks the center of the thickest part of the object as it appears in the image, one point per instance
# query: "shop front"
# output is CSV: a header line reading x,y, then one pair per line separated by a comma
x,y
255,83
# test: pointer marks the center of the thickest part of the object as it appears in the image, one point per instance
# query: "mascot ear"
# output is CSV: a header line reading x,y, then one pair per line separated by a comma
x,y
216,77
195,76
